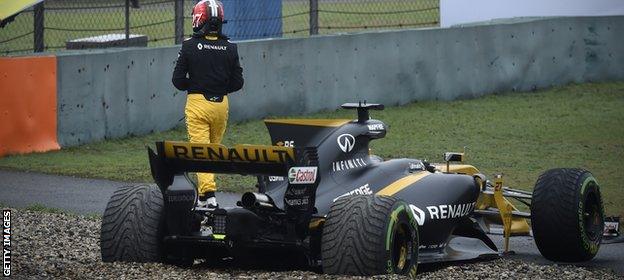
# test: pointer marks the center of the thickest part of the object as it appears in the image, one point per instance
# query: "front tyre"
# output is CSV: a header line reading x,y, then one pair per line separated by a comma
x,y
370,235
567,215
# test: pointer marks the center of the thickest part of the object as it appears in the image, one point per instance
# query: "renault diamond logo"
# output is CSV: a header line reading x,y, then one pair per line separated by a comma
x,y
346,142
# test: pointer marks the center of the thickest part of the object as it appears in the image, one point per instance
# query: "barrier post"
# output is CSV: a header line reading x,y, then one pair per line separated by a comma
x,y
179,21
127,15
314,17
38,28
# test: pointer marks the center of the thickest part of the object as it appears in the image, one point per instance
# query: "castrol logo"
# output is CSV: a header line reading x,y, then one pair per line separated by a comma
x,y
302,175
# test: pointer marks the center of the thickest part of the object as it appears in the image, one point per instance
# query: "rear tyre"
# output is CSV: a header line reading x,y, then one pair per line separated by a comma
x,y
133,225
369,235
567,215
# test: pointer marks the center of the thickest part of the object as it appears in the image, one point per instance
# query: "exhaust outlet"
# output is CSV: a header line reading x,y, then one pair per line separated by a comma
x,y
257,200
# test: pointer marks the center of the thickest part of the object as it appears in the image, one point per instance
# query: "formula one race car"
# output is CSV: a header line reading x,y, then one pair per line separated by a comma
x,y
322,198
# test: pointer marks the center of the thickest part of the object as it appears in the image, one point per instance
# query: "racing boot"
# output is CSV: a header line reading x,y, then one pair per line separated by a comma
x,y
207,200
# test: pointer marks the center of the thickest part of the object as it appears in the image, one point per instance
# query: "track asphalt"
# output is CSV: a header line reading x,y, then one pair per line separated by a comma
x,y
89,196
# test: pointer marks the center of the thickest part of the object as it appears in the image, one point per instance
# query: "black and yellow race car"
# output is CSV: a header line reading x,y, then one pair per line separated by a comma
x,y
324,200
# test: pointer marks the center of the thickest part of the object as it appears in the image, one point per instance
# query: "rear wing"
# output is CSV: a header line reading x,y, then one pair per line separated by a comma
x,y
173,158
299,164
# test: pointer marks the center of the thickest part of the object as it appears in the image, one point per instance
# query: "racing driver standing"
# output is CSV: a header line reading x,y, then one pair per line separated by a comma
x,y
213,68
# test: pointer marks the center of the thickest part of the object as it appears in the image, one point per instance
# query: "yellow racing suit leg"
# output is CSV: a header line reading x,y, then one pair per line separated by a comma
x,y
205,123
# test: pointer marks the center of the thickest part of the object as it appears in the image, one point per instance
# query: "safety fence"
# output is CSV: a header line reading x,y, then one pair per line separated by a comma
x,y
75,24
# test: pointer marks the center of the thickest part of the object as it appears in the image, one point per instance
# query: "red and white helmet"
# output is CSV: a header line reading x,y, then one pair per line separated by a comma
x,y
205,11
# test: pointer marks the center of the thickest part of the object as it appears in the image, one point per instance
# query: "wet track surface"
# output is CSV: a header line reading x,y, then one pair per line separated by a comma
x,y
77,195
89,196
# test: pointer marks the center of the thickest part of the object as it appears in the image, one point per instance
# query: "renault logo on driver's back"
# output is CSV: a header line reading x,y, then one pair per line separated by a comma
x,y
346,142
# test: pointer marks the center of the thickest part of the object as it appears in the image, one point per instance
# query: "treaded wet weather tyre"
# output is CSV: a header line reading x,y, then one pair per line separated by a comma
x,y
133,225
567,215
370,235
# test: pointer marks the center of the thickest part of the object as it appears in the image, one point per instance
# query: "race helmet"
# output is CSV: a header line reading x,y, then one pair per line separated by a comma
x,y
208,18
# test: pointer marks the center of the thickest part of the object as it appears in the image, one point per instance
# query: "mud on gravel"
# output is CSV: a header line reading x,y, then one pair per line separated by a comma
x,y
61,246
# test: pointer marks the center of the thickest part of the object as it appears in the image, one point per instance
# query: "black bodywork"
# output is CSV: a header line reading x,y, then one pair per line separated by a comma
x,y
288,218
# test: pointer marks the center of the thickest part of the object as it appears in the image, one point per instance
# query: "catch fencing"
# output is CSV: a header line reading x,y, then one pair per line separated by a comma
x,y
55,25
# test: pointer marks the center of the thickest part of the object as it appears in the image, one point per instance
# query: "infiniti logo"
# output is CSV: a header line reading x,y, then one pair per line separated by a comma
x,y
346,142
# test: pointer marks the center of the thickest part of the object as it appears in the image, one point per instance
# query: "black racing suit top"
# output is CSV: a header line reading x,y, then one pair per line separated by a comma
x,y
212,66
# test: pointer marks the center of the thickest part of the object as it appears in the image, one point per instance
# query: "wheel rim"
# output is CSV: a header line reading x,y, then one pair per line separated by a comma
x,y
592,218
402,245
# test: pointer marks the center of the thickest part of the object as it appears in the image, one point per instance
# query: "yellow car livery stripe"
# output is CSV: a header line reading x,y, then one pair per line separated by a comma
x,y
402,183
309,122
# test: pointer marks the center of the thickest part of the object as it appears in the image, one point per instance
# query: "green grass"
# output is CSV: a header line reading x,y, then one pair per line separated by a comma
x,y
332,19
517,134
337,16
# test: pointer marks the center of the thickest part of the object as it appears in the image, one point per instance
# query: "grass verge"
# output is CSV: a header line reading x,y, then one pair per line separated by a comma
x,y
517,134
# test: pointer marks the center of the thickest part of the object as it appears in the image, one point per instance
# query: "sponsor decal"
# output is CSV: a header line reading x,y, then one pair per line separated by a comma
x,y
286,143
297,201
216,48
201,46
434,246
216,98
416,166
376,127
181,198
343,165
276,178
359,191
6,242
302,175
240,153
297,191
346,142
442,212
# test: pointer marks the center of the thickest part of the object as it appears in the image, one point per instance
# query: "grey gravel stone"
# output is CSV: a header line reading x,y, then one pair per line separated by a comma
x,y
61,246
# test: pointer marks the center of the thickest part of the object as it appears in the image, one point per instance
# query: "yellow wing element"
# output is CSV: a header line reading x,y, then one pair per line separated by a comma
x,y
512,226
457,168
218,152
505,209
515,225
519,225
309,122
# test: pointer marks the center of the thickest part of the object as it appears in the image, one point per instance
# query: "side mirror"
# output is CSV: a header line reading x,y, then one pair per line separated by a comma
x,y
453,157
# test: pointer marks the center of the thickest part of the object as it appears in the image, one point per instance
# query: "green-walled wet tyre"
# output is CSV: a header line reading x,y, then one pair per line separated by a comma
x,y
370,235
133,225
567,215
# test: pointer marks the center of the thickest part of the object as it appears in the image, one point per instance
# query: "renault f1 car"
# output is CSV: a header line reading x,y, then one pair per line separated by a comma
x,y
322,198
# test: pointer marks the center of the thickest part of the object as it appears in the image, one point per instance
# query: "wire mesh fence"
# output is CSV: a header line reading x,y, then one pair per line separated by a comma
x,y
64,20
336,16
61,24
